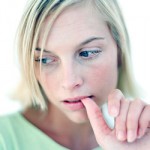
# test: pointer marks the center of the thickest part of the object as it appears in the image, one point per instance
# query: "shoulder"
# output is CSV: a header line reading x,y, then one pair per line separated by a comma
x,y
7,129
17,133
8,120
5,120
8,124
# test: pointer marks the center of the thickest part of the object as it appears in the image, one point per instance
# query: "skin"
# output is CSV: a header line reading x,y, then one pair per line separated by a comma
x,y
71,75
63,77
132,138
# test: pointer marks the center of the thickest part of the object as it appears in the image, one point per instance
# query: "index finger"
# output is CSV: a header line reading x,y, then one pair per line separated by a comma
x,y
96,118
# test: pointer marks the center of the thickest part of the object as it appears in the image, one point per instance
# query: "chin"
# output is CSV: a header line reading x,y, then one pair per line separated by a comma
x,y
80,121
78,118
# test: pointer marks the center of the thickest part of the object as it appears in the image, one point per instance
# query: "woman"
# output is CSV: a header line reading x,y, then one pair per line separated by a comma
x,y
74,57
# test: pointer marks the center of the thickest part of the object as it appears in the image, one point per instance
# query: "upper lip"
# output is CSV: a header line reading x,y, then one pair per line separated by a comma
x,y
77,98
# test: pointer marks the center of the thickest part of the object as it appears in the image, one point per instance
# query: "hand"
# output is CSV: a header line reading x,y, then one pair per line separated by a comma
x,y
132,122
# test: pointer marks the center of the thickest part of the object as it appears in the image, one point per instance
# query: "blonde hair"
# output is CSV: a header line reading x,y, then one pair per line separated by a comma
x,y
35,14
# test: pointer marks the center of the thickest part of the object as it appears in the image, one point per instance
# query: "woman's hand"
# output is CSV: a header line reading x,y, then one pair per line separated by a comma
x,y
132,122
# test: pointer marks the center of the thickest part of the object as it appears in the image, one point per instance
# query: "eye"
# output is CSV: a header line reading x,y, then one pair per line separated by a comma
x,y
46,60
91,53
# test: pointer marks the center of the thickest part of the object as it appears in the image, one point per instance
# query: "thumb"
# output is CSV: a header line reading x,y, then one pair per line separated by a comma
x,y
96,118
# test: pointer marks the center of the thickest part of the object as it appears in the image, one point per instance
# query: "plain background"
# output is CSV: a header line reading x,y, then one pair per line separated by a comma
x,y
137,17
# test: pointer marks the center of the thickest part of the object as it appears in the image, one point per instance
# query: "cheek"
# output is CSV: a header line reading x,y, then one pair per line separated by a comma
x,y
48,82
104,77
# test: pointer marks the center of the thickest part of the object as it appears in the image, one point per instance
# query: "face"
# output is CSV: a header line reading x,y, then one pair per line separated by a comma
x,y
79,61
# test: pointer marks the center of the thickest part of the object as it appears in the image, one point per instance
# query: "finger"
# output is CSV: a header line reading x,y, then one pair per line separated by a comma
x,y
114,99
97,121
135,110
144,121
120,125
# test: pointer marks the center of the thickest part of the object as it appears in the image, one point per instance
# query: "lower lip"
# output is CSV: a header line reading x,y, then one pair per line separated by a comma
x,y
74,106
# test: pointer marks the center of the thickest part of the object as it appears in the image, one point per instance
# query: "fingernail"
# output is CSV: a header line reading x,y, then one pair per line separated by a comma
x,y
121,135
131,136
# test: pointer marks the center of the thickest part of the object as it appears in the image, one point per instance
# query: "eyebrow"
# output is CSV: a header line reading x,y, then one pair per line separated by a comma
x,y
39,49
89,40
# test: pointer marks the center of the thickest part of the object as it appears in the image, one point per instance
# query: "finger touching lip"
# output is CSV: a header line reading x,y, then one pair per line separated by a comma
x,y
95,116
75,103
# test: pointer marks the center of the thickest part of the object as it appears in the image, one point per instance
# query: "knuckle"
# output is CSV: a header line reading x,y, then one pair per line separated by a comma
x,y
148,107
131,122
131,119
125,101
142,123
120,123
139,102
145,119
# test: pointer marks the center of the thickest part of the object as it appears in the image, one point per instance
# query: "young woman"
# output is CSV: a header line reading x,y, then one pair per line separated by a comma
x,y
75,57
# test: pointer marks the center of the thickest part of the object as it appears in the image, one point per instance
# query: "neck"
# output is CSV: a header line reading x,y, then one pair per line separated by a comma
x,y
65,132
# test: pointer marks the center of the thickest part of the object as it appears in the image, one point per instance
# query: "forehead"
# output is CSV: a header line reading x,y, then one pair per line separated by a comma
x,y
75,23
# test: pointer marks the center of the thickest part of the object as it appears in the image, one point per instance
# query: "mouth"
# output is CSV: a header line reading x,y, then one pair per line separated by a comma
x,y
76,100
75,104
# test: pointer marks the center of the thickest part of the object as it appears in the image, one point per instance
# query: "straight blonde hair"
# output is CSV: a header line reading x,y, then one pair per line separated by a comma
x,y
29,91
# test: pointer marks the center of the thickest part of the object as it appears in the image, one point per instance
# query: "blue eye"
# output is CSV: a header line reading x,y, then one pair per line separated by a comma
x,y
45,60
84,54
87,54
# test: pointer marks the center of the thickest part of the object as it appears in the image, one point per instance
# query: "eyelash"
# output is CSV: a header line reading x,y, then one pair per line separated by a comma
x,y
92,52
84,54
44,60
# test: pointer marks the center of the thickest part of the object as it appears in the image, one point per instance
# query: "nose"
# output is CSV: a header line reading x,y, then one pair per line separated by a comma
x,y
71,76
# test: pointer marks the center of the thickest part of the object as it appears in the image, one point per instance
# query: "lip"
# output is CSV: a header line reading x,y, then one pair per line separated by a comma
x,y
75,103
